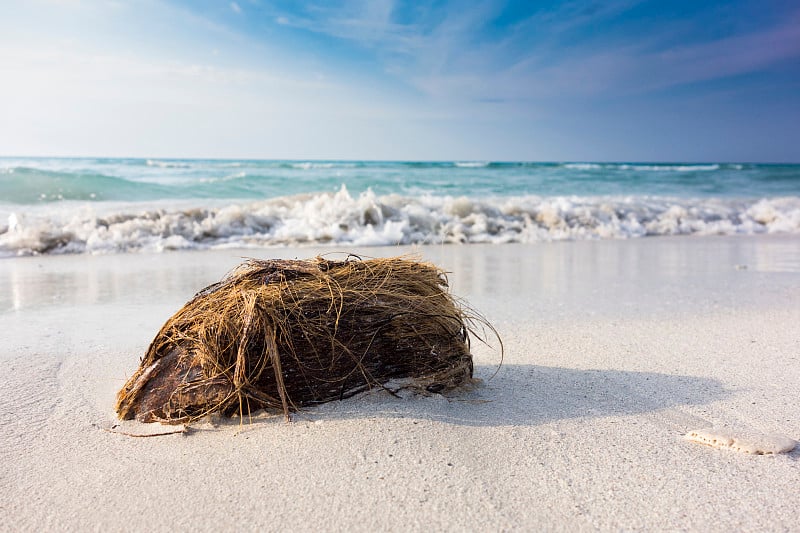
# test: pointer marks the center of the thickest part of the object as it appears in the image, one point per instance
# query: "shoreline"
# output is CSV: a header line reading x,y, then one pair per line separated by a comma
x,y
613,351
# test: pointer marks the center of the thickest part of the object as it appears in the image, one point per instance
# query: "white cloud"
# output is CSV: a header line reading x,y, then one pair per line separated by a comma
x,y
235,8
67,101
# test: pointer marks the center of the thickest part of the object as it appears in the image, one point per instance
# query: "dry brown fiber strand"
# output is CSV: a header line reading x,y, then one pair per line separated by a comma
x,y
283,334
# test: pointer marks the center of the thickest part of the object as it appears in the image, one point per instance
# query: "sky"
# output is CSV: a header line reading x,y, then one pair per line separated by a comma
x,y
618,80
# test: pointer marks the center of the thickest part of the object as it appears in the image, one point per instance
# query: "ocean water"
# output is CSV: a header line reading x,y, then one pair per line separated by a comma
x,y
95,205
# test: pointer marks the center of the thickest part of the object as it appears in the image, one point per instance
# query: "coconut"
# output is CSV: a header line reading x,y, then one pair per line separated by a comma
x,y
284,334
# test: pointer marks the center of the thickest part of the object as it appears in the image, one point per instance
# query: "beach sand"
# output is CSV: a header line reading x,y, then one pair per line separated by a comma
x,y
614,350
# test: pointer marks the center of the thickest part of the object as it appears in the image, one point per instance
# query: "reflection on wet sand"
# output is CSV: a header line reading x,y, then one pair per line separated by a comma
x,y
548,279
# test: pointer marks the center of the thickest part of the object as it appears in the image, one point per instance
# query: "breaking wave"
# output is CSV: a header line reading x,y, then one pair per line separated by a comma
x,y
167,164
368,219
656,167
472,164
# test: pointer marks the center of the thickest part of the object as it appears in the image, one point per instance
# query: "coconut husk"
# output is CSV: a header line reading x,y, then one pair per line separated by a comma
x,y
284,334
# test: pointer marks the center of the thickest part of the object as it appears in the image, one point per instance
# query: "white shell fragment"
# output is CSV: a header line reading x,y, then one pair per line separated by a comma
x,y
745,442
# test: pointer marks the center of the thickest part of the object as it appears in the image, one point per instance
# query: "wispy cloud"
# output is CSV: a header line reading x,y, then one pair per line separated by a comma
x,y
450,51
366,23
739,54
637,69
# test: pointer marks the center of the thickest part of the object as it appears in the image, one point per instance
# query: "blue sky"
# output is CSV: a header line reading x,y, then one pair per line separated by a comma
x,y
383,79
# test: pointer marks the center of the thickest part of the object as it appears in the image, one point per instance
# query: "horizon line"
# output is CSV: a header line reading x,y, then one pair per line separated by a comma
x,y
444,160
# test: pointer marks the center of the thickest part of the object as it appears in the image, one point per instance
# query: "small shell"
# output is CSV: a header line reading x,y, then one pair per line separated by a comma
x,y
745,442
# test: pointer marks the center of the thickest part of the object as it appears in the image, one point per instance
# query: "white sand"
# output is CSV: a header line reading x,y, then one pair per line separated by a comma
x,y
614,350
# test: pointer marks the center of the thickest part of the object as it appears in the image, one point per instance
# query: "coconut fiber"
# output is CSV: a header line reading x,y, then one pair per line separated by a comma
x,y
283,334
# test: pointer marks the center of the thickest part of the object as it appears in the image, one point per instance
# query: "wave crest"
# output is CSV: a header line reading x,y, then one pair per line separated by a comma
x,y
367,219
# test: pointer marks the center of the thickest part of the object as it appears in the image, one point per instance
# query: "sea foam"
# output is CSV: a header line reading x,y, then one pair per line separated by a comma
x,y
368,219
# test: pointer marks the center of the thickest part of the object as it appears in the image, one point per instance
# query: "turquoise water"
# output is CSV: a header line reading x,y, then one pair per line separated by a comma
x,y
30,181
122,205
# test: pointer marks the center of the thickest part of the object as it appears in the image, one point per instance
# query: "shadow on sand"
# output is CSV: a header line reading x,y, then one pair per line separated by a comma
x,y
526,395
